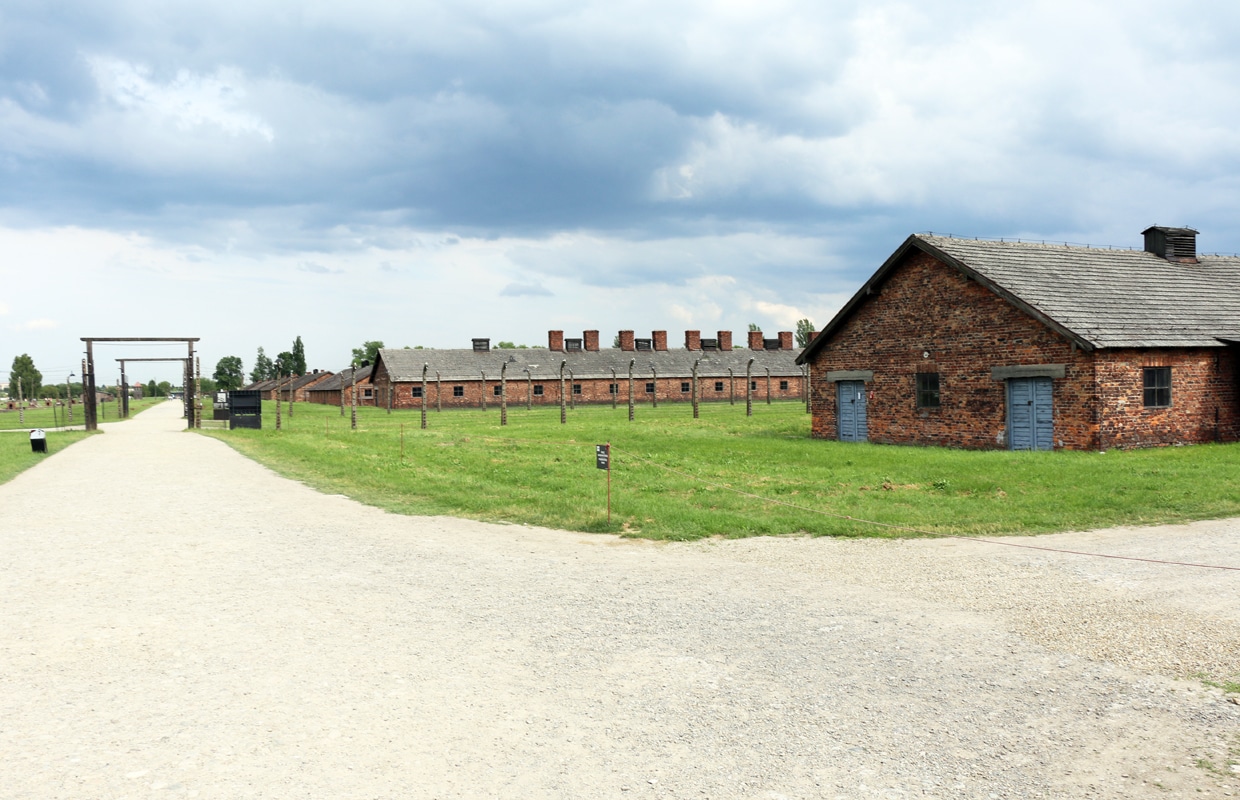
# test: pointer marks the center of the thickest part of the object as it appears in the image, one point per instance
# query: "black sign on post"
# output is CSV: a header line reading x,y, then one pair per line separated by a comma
x,y
602,456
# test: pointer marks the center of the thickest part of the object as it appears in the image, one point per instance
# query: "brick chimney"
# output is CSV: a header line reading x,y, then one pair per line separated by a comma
x,y
1173,244
660,339
555,341
785,340
725,340
591,338
755,340
626,341
693,340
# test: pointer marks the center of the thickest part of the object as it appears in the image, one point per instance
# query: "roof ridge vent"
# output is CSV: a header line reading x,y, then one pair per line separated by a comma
x,y
1173,244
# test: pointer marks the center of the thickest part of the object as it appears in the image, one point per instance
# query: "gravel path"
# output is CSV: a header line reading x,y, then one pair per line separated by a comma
x,y
180,622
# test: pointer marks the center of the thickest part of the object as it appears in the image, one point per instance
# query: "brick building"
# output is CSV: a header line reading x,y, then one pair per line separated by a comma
x,y
982,344
338,389
473,377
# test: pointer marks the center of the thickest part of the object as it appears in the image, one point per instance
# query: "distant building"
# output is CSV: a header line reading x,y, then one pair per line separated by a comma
x,y
470,377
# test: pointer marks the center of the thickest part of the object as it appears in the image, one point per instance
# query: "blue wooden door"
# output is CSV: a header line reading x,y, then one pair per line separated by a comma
x,y
851,395
1030,414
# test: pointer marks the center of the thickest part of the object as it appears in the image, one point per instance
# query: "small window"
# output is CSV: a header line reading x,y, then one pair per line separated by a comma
x,y
612,388
538,388
753,385
783,386
718,386
927,390
1157,387
649,388
576,388
458,391
684,386
498,389
417,391
368,393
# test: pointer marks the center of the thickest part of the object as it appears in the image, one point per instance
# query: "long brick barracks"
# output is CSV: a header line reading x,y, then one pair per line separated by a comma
x,y
457,378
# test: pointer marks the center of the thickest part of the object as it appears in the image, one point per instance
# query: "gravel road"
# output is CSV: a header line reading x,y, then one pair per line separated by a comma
x,y
180,622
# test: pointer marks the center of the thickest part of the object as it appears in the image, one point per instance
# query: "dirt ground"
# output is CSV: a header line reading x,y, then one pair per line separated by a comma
x,y
180,622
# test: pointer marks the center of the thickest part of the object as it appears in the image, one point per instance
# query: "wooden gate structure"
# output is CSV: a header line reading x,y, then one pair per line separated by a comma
x,y
88,379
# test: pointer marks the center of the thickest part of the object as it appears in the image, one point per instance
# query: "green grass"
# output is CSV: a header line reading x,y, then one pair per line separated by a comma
x,y
15,454
673,476
44,417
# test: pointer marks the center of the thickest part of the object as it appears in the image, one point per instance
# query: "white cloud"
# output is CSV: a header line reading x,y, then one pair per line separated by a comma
x,y
186,101
43,324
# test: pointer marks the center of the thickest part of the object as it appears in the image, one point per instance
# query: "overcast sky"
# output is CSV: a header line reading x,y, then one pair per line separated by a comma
x,y
424,173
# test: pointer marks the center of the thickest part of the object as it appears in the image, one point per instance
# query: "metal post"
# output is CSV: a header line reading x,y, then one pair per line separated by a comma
x,y
654,396
563,414
632,361
503,394
438,391
615,388
749,388
731,388
21,405
768,386
119,408
69,395
342,393
88,386
424,368
276,391
529,390
572,390
484,392
695,388
124,392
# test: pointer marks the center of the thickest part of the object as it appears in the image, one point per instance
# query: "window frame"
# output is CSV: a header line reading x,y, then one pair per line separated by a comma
x,y
783,386
649,387
928,390
538,390
684,387
718,386
1155,390
498,390
458,391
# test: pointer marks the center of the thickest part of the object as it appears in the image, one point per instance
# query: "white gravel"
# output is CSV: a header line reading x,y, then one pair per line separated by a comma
x,y
180,622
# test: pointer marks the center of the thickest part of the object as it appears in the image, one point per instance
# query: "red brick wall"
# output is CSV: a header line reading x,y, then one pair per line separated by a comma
x,y
693,340
659,340
1204,403
929,317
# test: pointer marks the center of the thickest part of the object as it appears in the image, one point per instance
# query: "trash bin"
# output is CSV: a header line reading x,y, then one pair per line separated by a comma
x,y
38,441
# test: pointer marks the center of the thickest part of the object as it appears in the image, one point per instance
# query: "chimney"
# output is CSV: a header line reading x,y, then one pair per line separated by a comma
x,y
626,341
785,340
755,340
591,338
693,340
725,340
660,339
555,341
480,346
1173,244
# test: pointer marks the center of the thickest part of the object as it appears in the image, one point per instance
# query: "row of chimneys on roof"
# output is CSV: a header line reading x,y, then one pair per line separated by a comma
x,y
588,342
658,341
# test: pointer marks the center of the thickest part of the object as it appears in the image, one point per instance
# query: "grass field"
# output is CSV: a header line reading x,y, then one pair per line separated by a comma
x,y
15,453
44,417
674,477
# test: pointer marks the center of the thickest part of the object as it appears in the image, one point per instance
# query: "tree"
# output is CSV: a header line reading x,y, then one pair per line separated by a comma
x,y
151,388
209,386
368,352
165,388
284,364
52,392
263,370
299,357
753,326
31,378
805,329
229,373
